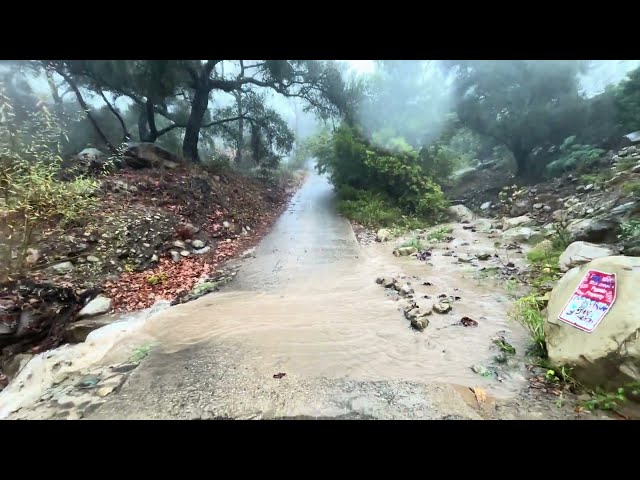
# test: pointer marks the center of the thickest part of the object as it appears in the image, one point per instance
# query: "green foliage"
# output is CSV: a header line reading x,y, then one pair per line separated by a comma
x,y
33,194
438,234
413,242
597,178
631,188
370,209
573,157
627,98
157,278
505,346
527,312
629,230
400,179
141,353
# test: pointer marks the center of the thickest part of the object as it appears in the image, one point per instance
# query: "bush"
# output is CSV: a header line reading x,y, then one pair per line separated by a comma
x,y
32,193
631,188
574,157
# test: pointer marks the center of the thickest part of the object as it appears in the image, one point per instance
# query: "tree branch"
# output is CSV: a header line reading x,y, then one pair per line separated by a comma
x,y
126,136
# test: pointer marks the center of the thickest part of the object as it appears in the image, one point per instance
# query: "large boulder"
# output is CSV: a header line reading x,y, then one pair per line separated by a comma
x,y
149,155
591,230
482,225
522,221
579,253
77,332
522,235
610,355
460,213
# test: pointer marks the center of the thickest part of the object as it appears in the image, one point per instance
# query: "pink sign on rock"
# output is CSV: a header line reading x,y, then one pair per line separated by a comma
x,y
591,301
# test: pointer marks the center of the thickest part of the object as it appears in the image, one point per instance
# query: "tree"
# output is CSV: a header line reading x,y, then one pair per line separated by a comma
x,y
522,104
627,99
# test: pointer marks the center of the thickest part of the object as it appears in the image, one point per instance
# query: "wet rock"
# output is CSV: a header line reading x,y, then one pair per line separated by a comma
x,y
610,355
623,209
579,253
464,258
77,332
62,268
482,225
379,280
538,206
184,253
154,258
484,256
520,207
460,213
179,244
521,235
92,259
405,290
97,306
383,235
388,282
124,368
590,229
404,251
442,307
485,206
420,323
202,251
197,244
523,221
175,256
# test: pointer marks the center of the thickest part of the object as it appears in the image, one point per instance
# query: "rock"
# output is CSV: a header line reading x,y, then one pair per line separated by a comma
x,y
16,363
465,258
610,355
202,250
226,224
92,259
405,290
483,256
379,280
154,258
485,206
442,307
621,210
420,323
77,332
383,235
482,225
149,155
104,391
197,244
623,153
97,306
588,187
546,208
175,256
460,213
404,251
538,206
184,253
582,252
559,215
590,229
179,244
64,267
522,221
519,207
388,282
521,235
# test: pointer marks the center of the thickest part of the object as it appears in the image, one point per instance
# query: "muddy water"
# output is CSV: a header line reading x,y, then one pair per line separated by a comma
x,y
307,305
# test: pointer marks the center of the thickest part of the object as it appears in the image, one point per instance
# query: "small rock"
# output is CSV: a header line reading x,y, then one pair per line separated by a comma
x,y
465,258
383,235
636,169
197,244
379,280
404,251
420,323
104,391
154,258
226,224
202,250
546,208
92,259
175,256
442,307
485,206
588,187
146,245
185,253
483,256
97,306
406,290
388,282
64,267
179,244
538,206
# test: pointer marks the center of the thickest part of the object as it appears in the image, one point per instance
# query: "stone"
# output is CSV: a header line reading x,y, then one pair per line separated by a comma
x,y
97,306
538,206
404,251
546,208
16,363
623,153
442,307
522,221
149,155
202,251
184,253
77,332
609,356
559,215
420,323
175,256
582,252
623,209
179,244
154,258
64,267
197,244
465,258
460,213
104,391
388,282
521,235
383,235
590,229
483,256
588,187
405,290
485,206
92,259
482,225
226,224
519,207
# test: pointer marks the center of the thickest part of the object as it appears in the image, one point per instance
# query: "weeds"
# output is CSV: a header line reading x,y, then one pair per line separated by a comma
x,y
629,230
157,278
439,234
631,188
140,353
527,312
413,242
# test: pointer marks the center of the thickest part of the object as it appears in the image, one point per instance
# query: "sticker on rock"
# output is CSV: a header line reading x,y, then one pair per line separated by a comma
x,y
591,301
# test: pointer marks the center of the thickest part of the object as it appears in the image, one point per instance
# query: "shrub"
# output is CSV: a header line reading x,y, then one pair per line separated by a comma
x,y
574,157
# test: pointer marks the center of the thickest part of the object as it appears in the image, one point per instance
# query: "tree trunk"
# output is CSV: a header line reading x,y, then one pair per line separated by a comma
x,y
199,107
126,136
240,140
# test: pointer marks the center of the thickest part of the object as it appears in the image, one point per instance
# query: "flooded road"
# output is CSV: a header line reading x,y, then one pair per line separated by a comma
x,y
307,305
